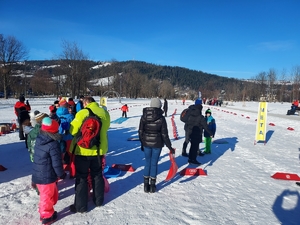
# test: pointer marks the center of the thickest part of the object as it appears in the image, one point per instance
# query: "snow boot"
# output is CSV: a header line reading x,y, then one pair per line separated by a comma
x,y
146,185
152,185
50,220
200,153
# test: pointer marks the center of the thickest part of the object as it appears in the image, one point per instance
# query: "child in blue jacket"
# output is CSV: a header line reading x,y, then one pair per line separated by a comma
x,y
47,168
211,123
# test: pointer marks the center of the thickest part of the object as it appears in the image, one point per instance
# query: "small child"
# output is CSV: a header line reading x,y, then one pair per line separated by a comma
x,y
47,168
124,109
211,123
52,115
37,118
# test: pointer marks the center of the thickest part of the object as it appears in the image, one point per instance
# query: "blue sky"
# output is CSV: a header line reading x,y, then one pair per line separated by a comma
x,y
231,38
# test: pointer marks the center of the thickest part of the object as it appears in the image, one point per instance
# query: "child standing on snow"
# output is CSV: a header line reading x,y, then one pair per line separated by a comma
x,y
211,123
36,120
124,109
47,168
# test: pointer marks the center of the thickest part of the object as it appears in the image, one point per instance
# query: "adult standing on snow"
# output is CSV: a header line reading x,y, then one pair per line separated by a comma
x,y
88,159
165,107
19,106
194,129
153,134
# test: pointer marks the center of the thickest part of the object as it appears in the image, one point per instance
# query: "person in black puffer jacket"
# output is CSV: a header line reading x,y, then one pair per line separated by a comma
x,y
194,130
47,168
153,134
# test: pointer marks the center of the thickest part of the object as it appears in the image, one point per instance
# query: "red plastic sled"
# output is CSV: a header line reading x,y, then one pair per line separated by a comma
x,y
123,167
193,172
286,176
173,169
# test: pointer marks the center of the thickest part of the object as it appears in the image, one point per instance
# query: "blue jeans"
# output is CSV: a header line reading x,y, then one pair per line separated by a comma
x,y
151,158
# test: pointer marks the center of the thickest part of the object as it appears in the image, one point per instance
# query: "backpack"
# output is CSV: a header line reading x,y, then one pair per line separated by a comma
x,y
184,116
89,132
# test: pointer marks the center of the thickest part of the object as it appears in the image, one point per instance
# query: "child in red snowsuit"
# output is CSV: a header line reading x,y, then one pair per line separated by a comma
x,y
124,109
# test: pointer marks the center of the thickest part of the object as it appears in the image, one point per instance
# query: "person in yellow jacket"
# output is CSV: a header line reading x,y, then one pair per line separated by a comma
x,y
87,160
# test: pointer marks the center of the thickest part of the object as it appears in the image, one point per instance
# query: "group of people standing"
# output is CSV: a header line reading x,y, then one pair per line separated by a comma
x,y
51,136
194,127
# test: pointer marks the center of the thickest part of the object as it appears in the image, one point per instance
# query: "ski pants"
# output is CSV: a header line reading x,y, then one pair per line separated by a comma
x,y
195,143
21,131
124,114
151,158
84,165
48,198
207,141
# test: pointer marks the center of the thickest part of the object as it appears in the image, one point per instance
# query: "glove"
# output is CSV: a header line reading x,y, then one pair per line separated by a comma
x,y
142,147
63,176
172,150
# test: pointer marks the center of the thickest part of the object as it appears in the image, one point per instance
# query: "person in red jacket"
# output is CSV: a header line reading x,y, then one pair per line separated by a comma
x,y
124,109
20,106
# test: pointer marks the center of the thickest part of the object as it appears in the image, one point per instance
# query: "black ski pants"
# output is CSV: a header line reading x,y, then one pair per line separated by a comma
x,y
85,165
195,143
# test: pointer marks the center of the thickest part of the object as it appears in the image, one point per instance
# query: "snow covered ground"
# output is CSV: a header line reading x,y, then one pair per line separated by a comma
x,y
238,188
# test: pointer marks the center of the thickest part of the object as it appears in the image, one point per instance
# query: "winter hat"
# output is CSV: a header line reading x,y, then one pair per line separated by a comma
x,y
22,98
81,97
63,103
208,111
198,102
155,102
38,117
49,125
52,108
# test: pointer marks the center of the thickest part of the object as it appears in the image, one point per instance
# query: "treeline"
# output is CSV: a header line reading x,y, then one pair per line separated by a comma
x,y
72,73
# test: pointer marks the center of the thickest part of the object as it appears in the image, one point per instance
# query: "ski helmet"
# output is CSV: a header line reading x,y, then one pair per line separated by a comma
x,y
208,111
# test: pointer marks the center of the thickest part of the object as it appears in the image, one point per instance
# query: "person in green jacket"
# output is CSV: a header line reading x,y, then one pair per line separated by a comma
x,y
87,160
34,132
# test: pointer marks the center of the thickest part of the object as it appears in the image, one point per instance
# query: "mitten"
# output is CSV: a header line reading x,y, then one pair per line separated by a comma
x,y
172,150
63,176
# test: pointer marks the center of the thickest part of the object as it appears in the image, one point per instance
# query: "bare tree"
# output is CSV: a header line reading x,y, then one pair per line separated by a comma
x,y
166,90
295,75
38,81
283,82
261,80
272,77
12,52
75,65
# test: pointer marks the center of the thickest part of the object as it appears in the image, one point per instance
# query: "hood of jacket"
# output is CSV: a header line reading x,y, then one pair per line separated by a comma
x,y
46,137
195,110
62,111
151,114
